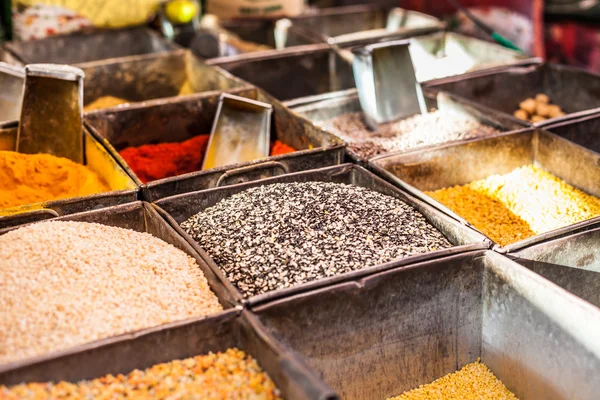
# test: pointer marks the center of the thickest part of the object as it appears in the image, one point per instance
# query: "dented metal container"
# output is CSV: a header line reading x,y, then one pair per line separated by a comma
x,y
575,90
584,131
571,262
90,46
321,109
175,341
381,335
153,76
177,209
360,24
467,161
176,120
292,73
98,159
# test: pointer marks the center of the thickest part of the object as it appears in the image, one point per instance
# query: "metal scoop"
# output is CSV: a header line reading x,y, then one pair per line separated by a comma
x,y
11,91
51,115
387,86
240,133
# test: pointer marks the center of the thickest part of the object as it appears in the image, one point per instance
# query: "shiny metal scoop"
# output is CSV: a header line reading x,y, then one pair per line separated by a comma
x,y
11,91
387,86
52,111
240,133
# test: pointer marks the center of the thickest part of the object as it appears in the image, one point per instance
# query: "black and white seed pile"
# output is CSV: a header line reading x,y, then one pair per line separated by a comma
x,y
280,235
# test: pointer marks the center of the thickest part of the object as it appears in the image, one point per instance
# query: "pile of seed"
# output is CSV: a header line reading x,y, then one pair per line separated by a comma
x,y
520,204
66,283
407,134
228,375
277,236
473,381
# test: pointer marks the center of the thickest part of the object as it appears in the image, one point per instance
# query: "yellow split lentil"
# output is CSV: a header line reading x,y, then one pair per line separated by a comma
x,y
525,202
473,381
228,375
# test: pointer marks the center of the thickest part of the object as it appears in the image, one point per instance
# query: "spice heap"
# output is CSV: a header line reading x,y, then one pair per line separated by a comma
x,y
525,202
104,102
473,381
151,162
277,236
417,131
538,109
32,178
228,375
66,283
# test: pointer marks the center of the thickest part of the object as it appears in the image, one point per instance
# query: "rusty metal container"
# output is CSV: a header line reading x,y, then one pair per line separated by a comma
x,y
572,262
177,120
583,131
378,336
321,109
292,73
179,208
140,217
360,24
85,47
98,159
142,349
153,76
463,162
575,90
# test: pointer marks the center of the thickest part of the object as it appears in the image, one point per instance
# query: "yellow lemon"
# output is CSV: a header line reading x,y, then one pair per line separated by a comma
x,y
181,11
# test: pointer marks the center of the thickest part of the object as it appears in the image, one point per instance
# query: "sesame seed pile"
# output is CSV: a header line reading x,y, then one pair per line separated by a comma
x,y
407,134
525,202
280,235
473,381
229,375
66,283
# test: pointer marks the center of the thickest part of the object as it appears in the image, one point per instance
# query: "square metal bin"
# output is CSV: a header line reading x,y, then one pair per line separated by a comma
x,y
584,131
153,76
180,119
463,162
575,90
179,208
379,336
572,262
142,349
98,159
84,47
320,109
142,217
292,73
354,25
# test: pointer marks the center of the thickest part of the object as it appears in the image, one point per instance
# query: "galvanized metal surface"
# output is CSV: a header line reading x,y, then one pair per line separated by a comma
x,y
153,76
176,120
466,161
179,208
376,337
360,24
98,159
584,131
319,111
84,47
142,349
292,73
575,90
12,78
571,262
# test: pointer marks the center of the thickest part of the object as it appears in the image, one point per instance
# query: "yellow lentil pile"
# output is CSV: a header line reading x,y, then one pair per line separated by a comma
x,y
525,202
228,375
473,381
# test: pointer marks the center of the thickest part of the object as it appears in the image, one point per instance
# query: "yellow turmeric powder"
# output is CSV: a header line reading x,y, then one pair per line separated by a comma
x,y
32,178
104,102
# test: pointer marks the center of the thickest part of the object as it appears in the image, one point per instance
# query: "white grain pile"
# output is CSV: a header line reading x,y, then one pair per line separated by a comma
x,y
66,283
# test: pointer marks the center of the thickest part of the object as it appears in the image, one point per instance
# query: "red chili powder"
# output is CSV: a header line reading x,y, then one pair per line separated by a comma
x,y
158,161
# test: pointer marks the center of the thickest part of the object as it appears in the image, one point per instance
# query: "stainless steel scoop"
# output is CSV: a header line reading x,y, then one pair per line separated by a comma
x,y
387,86
11,91
240,133
51,113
